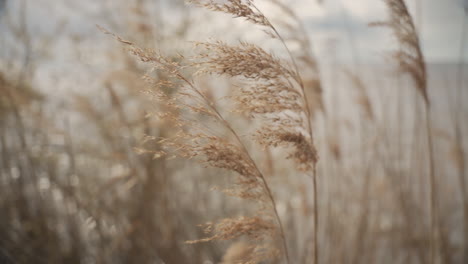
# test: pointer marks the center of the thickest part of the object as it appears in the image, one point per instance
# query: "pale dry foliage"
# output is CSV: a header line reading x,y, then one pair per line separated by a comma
x,y
239,252
200,143
270,91
133,182
267,93
409,56
411,61
362,97
237,8
296,33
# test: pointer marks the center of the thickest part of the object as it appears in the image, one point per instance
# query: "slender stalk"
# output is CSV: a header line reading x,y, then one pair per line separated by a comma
x,y
412,62
244,149
459,140
298,79
309,126
432,183
173,70
265,185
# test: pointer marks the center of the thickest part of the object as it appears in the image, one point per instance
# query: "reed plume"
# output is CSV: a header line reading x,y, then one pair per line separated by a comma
x,y
201,143
284,129
303,142
272,92
410,59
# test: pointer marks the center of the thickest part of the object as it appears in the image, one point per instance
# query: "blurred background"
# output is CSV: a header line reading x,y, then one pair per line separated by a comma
x,y
74,187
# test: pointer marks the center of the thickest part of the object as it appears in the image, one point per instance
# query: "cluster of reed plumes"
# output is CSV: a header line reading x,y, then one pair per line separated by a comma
x,y
271,91
299,172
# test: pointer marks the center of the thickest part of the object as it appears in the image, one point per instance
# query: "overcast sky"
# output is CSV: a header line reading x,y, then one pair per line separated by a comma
x,y
440,23
342,22
79,55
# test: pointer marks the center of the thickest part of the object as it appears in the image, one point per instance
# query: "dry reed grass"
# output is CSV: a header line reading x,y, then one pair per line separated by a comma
x,y
273,92
94,198
411,61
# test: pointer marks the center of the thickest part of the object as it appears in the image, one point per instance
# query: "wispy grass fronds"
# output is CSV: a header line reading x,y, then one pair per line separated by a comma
x,y
296,33
256,229
411,61
305,154
246,60
268,94
237,8
272,91
183,104
410,56
362,98
239,252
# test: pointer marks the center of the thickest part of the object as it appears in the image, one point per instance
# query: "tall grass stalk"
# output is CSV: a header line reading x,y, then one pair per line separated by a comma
x,y
249,11
411,61
459,147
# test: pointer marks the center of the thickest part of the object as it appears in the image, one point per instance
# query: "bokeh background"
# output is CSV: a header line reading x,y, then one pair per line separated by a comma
x,y
77,187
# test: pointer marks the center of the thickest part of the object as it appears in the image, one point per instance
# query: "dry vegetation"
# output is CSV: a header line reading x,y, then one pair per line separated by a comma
x,y
232,153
